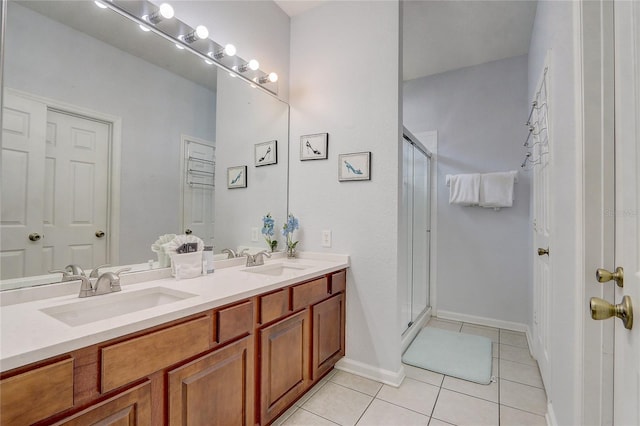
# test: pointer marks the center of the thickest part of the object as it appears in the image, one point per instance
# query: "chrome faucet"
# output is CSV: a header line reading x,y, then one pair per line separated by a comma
x,y
256,259
69,272
230,253
95,273
108,282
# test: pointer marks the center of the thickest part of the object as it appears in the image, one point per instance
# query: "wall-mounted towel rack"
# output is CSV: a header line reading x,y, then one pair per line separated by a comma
x,y
537,126
200,172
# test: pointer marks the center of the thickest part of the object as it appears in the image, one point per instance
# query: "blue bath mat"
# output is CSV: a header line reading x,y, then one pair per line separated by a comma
x,y
460,355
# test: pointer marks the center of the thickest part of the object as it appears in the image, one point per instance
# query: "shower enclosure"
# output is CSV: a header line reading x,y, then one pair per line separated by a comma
x,y
415,249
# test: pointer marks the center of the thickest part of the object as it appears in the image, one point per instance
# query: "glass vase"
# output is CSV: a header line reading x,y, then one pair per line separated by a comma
x,y
291,252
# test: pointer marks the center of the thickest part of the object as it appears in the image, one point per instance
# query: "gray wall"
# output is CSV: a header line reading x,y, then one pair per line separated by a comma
x,y
156,107
342,84
482,254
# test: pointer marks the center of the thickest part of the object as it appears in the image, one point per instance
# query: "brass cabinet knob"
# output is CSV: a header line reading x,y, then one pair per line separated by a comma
x,y
542,251
34,236
601,309
188,231
99,234
603,276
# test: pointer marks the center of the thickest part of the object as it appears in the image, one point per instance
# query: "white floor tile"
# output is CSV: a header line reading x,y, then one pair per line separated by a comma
x,y
436,422
495,350
305,418
423,375
381,413
523,397
513,338
512,417
284,416
310,392
338,404
516,372
411,394
488,332
445,324
456,408
359,383
488,392
516,354
495,367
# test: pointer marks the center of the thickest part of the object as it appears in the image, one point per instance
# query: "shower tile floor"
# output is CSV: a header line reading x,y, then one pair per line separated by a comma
x,y
517,397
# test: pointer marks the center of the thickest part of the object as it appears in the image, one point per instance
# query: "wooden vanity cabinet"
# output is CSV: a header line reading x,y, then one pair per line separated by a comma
x,y
241,364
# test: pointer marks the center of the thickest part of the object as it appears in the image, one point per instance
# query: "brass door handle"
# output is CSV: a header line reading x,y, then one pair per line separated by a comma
x,y
601,309
34,236
603,276
99,234
543,251
188,231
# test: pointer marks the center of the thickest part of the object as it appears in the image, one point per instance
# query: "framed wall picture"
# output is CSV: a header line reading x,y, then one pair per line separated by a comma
x,y
314,147
354,166
237,177
266,153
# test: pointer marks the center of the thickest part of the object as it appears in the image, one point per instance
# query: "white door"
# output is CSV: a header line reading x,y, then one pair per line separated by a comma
x,y
198,188
627,207
75,213
540,162
23,157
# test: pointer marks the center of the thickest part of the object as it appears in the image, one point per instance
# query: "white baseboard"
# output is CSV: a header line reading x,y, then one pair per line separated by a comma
x,y
370,372
550,417
489,322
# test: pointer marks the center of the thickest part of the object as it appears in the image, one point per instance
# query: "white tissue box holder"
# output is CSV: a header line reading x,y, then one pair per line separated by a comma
x,y
186,265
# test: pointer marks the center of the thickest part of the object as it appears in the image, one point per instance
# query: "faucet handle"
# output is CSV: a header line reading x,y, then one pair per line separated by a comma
x,y
95,273
74,269
258,258
243,252
119,271
230,253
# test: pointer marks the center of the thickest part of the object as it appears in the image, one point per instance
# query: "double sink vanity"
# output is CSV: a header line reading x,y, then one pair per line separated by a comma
x,y
238,346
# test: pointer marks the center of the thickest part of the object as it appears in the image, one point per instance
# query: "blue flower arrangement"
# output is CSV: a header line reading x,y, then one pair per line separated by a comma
x,y
268,224
287,231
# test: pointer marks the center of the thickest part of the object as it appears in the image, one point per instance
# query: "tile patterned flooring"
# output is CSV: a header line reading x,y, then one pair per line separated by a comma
x,y
517,397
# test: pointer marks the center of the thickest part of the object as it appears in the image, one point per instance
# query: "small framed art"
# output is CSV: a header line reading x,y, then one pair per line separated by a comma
x,y
314,147
354,166
237,177
266,153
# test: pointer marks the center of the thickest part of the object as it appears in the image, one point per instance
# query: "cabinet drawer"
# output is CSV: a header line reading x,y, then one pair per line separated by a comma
x,y
234,321
37,394
309,293
274,306
133,359
338,282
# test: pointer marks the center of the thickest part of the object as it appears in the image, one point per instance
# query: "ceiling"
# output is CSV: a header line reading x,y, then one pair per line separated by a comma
x,y
444,35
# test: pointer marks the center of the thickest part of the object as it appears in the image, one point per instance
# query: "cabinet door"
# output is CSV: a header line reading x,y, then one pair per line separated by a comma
x,y
284,374
328,334
215,389
130,408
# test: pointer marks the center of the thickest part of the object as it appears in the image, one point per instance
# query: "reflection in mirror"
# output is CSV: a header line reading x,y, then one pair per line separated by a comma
x,y
99,122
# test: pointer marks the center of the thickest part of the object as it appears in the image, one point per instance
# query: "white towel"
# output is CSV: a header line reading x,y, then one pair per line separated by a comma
x,y
464,189
496,189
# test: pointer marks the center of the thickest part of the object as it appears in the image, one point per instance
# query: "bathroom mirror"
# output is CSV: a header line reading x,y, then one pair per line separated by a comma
x,y
134,129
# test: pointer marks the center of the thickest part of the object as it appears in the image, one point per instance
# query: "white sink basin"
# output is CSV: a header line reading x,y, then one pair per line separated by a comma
x,y
106,306
278,269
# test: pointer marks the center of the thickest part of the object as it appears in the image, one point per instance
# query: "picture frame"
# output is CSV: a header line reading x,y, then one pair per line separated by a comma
x,y
314,147
354,166
265,153
237,177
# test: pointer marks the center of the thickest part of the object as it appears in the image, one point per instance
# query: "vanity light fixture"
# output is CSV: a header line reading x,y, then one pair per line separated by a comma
x,y
145,29
200,33
179,46
271,78
208,62
229,50
100,4
164,12
251,65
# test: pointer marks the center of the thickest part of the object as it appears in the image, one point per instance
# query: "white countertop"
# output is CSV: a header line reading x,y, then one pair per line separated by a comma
x,y
28,335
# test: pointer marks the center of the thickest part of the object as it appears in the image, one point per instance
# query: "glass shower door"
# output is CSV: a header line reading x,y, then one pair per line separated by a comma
x,y
420,234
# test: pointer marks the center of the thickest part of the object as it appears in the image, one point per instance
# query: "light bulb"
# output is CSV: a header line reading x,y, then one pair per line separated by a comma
x,y
208,62
100,4
166,11
230,50
201,32
179,46
254,65
143,28
271,78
